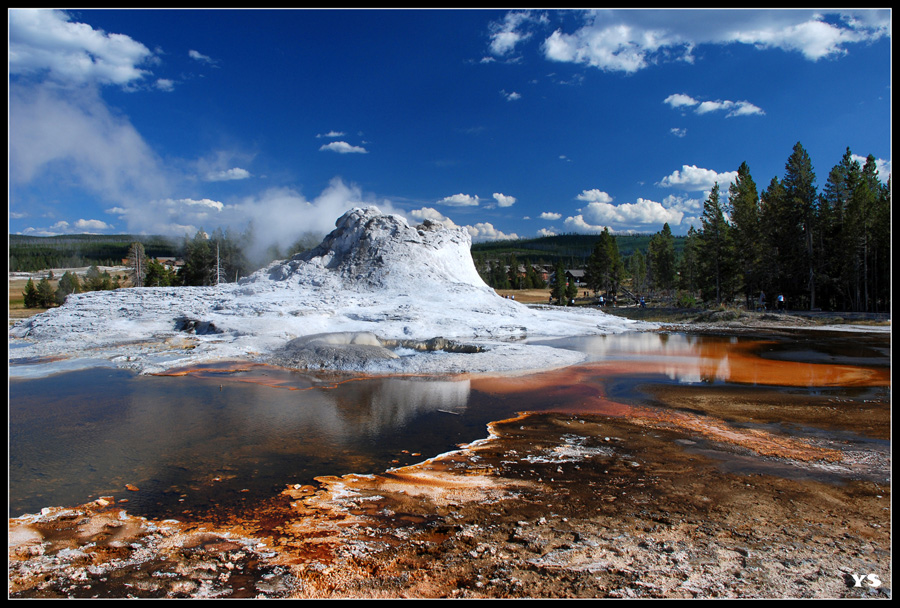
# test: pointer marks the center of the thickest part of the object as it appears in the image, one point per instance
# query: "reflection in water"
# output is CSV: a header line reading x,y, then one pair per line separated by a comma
x,y
217,436
694,359
221,436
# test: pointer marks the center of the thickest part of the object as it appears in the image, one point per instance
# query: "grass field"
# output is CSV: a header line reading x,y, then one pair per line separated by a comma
x,y
17,308
18,281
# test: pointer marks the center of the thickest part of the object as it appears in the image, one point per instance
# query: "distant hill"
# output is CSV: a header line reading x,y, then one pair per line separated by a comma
x,y
573,249
33,253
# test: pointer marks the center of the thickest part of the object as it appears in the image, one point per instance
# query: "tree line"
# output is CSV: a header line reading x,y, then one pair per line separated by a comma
x,y
44,295
827,249
208,259
33,254
818,249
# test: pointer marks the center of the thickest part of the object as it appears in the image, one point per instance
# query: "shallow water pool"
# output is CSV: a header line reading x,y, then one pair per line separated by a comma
x,y
221,437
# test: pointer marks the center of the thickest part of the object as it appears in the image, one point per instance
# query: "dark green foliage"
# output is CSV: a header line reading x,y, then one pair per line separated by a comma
x,y
68,284
801,208
637,269
219,258
46,296
689,263
716,251
661,258
94,280
558,284
199,261
160,276
32,253
30,294
605,269
819,250
743,209
573,249
571,291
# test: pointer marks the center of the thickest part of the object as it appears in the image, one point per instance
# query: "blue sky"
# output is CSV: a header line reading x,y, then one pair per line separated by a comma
x,y
507,123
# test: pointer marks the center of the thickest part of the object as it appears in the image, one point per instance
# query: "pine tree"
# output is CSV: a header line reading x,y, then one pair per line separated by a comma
x,y
881,241
836,266
46,295
689,264
800,193
637,268
776,242
68,284
199,261
159,276
600,264
872,193
94,280
661,254
743,209
571,291
715,247
558,284
30,295
512,272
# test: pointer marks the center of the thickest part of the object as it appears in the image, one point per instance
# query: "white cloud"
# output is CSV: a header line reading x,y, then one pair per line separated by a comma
x,y
503,200
70,136
429,213
642,212
331,134
91,225
690,208
578,224
678,132
505,35
79,227
511,96
485,231
678,100
460,200
693,178
342,147
617,48
47,43
197,55
190,202
595,195
234,173
813,38
547,232
64,227
164,84
172,216
549,215
631,40
732,108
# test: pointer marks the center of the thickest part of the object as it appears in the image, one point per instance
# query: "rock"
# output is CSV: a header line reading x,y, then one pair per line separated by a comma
x,y
340,351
